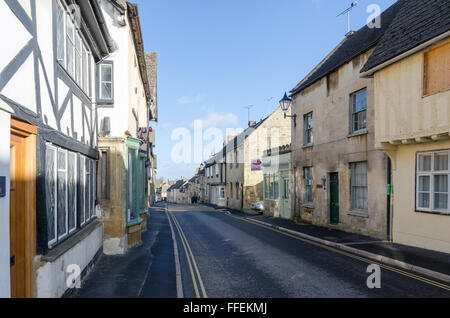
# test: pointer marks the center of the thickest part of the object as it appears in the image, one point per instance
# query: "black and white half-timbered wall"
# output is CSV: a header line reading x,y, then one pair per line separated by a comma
x,y
48,153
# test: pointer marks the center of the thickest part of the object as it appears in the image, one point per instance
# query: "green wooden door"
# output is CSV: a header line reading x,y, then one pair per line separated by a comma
x,y
334,198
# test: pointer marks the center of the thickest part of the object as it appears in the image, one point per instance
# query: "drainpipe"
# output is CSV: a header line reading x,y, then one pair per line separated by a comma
x,y
388,201
102,24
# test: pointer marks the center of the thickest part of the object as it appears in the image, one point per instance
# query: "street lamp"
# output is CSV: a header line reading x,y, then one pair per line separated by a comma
x,y
285,104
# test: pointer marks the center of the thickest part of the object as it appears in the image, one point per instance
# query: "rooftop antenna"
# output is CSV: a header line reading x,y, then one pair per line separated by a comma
x,y
348,10
248,108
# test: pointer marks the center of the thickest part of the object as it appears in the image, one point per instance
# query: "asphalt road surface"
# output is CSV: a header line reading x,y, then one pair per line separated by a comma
x,y
222,256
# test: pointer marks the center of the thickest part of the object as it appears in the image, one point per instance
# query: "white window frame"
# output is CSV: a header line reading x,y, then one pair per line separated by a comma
x,y
353,112
432,173
76,191
306,185
66,233
101,81
87,214
55,175
56,170
270,183
64,34
83,161
352,186
307,129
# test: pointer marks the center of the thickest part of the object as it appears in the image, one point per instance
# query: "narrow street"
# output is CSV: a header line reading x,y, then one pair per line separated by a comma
x,y
223,256
239,259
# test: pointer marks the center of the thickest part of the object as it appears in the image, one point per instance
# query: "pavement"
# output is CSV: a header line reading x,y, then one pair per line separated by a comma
x,y
146,271
433,263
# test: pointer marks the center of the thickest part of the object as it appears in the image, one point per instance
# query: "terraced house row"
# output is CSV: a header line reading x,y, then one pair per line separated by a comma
x,y
364,145
77,94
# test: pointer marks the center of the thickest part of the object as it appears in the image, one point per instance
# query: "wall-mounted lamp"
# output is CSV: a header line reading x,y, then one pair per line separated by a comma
x,y
285,104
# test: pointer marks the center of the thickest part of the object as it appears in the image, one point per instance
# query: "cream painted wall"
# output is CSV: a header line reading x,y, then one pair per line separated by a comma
x,y
403,114
425,230
401,111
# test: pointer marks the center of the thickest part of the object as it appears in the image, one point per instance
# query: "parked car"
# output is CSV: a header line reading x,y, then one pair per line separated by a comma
x,y
258,206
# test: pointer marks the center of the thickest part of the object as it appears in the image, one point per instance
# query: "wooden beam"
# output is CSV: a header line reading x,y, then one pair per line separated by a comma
x,y
423,139
439,137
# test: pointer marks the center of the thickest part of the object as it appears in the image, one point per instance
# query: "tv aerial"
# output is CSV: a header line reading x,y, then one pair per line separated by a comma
x,y
348,11
249,107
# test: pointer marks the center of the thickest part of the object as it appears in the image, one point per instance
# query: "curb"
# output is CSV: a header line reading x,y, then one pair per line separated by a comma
x,y
379,258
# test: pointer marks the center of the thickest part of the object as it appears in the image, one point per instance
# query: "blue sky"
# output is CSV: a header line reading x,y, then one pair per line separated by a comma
x,y
216,57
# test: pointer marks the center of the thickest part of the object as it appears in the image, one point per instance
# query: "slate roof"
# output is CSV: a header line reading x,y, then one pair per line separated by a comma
x,y
177,185
358,43
417,22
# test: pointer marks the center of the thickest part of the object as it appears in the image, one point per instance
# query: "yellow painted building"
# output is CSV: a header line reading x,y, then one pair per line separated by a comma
x,y
412,125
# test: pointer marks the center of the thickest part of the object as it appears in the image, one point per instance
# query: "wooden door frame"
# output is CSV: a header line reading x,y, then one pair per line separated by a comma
x,y
28,132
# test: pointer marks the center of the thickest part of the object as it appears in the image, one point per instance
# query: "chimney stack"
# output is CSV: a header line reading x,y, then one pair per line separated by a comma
x,y
251,123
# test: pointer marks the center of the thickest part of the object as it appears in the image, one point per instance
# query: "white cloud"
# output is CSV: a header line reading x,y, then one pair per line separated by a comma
x,y
197,99
217,120
184,100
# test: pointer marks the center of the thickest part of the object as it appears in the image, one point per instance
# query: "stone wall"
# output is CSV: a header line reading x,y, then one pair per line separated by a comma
x,y
335,148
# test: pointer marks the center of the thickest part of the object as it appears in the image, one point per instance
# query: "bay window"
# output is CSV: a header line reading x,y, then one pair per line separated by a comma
x,y
67,208
72,52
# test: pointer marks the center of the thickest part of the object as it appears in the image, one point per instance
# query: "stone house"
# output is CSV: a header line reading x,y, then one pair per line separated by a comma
x,y
277,182
48,154
339,178
124,112
175,193
271,132
411,72
216,179
235,172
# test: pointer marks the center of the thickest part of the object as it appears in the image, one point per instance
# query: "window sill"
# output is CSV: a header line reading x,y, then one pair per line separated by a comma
x,y
105,103
359,213
308,206
70,242
433,212
308,146
134,222
358,133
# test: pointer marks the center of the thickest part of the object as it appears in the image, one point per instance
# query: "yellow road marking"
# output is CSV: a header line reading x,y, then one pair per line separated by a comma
x,y
189,252
188,259
366,260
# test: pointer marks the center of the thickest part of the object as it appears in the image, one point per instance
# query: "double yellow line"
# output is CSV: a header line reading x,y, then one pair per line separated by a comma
x,y
365,260
193,268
